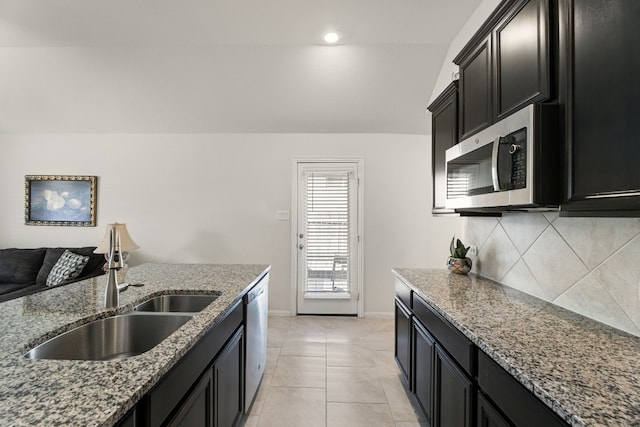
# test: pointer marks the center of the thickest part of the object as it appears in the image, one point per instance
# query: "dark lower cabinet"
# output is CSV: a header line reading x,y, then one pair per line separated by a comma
x,y
455,383
403,339
423,359
453,395
518,404
196,409
227,383
205,387
488,415
128,420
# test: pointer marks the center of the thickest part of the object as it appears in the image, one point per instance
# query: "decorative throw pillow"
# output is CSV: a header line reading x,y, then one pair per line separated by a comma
x,y
69,266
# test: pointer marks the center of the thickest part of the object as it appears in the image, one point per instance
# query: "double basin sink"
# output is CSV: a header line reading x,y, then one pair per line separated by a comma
x,y
125,335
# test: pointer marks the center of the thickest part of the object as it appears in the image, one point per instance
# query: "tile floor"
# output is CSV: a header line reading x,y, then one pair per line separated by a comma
x,y
332,372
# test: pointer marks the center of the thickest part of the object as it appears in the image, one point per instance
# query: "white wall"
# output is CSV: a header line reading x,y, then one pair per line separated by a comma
x,y
212,198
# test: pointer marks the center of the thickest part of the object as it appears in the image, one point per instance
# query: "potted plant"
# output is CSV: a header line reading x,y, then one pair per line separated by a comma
x,y
458,262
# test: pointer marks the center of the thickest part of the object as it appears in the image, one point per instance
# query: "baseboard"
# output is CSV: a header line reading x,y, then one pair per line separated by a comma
x,y
279,313
379,314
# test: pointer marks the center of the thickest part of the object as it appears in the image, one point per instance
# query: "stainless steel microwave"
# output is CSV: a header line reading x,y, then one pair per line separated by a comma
x,y
513,164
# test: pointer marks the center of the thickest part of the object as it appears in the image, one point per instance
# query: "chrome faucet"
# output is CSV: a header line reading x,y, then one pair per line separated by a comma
x,y
112,292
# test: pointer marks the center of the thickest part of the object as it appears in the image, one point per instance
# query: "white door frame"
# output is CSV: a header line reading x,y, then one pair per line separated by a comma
x,y
294,226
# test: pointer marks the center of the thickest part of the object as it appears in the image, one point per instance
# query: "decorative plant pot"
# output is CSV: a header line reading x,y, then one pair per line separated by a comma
x,y
459,265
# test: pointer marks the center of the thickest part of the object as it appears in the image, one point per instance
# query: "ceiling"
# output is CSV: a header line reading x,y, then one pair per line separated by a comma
x,y
250,66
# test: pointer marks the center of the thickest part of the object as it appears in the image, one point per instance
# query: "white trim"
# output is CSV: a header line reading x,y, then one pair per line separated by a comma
x,y
294,224
379,314
279,313
327,295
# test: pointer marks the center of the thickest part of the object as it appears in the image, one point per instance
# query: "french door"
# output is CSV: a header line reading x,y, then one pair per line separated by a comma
x,y
327,238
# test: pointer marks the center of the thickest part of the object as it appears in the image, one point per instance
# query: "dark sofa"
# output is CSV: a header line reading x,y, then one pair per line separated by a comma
x,y
25,271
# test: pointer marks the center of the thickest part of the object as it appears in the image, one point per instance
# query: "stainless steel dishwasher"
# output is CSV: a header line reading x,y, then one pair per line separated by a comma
x,y
256,310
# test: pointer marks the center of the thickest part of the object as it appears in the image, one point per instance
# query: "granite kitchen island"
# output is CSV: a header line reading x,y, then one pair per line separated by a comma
x,y
100,393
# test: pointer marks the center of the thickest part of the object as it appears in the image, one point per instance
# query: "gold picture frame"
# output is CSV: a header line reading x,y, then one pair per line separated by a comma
x,y
67,200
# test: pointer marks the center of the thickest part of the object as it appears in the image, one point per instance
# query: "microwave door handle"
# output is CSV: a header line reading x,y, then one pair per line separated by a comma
x,y
494,164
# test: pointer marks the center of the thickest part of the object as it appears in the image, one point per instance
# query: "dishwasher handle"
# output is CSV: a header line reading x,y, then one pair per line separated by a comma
x,y
253,294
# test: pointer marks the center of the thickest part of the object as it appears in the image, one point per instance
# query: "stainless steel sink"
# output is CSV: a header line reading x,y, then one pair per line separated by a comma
x,y
115,337
177,303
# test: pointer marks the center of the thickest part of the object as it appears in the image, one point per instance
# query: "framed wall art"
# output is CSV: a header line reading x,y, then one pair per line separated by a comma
x,y
60,200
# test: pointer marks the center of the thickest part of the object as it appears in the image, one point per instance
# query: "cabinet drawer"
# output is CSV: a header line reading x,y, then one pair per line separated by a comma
x,y
515,401
403,292
459,346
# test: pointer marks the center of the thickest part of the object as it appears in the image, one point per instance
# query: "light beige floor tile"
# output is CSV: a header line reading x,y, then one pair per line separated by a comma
x,y
377,324
359,415
313,325
298,371
281,322
356,385
381,340
275,337
345,326
350,355
386,363
402,404
273,353
261,394
294,407
340,338
304,345
250,421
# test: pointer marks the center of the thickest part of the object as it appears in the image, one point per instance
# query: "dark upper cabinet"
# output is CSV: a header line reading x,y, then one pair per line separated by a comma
x,y
598,66
506,65
521,51
444,135
476,89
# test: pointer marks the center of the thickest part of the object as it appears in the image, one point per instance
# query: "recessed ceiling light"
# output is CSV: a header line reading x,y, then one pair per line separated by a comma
x,y
331,37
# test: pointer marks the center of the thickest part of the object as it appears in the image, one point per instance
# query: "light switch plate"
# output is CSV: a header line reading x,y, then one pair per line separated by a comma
x,y
282,215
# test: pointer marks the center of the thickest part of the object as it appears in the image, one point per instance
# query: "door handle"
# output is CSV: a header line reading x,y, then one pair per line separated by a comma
x,y
300,246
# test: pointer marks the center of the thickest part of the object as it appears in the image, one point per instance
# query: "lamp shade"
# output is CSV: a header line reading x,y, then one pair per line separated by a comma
x,y
122,240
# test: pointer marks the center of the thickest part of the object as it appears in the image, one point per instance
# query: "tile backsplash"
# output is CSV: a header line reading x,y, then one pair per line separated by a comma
x,y
587,265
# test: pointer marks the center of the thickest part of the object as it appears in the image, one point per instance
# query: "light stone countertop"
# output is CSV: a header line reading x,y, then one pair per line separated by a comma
x,y
587,372
98,393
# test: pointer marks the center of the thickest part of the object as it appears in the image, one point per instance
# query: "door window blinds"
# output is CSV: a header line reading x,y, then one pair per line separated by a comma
x,y
327,216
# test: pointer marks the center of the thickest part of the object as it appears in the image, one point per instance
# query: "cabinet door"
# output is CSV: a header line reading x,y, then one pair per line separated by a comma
x,y
444,135
423,357
521,46
476,90
196,409
403,340
488,415
598,42
227,382
453,393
